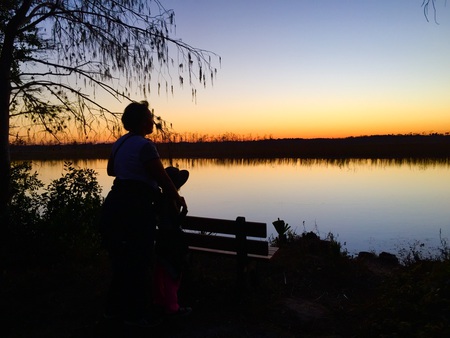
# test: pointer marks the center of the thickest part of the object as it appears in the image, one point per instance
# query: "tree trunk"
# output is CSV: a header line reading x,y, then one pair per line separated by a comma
x,y
5,93
6,61
5,159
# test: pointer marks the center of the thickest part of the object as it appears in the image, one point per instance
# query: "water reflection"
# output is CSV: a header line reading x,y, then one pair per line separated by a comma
x,y
339,162
369,204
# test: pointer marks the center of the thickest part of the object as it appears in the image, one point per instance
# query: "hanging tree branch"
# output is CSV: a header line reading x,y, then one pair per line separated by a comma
x,y
426,4
111,46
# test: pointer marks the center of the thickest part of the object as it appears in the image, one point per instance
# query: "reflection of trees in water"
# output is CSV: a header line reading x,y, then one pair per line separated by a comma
x,y
420,163
423,163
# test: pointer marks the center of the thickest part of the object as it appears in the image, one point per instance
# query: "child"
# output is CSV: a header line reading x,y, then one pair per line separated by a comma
x,y
171,251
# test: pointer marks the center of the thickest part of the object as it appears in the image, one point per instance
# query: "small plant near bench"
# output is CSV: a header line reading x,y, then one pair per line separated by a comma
x,y
282,229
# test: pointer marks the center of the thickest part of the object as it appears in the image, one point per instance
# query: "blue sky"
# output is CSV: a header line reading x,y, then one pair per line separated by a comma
x,y
319,68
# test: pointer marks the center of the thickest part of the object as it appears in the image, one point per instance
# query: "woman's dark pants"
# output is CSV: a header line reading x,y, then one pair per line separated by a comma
x,y
128,230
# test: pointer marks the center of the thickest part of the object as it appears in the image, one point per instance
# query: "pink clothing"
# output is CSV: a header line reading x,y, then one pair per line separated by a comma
x,y
166,289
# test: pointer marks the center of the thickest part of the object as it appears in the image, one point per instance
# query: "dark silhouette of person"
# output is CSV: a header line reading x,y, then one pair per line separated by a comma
x,y
171,251
129,216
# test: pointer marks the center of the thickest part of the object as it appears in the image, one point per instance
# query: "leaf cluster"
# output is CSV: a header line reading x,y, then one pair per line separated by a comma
x,y
50,222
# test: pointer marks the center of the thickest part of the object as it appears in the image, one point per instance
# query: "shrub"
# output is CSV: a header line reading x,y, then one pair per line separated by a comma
x,y
25,204
71,206
47,224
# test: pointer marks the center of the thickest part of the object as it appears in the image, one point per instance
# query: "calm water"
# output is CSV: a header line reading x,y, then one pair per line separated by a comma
x,y
370,205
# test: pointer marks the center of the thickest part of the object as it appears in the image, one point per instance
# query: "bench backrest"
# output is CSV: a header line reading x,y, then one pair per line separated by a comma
x,y
228,236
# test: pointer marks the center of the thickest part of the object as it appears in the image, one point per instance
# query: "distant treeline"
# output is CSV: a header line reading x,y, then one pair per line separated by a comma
x,y
404,146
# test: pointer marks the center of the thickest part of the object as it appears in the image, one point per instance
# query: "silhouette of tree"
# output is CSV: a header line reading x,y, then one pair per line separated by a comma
x,y
58,56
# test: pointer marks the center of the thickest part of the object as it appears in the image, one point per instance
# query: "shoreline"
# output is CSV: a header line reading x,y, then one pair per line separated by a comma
x,y
430,146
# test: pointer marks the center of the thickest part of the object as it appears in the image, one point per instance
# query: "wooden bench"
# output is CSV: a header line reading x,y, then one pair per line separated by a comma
x,y
229,237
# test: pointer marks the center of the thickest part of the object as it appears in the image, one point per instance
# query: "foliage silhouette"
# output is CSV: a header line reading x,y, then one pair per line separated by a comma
x,y
49,223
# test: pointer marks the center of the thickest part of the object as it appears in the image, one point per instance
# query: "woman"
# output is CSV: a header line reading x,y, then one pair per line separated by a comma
x,y
129,215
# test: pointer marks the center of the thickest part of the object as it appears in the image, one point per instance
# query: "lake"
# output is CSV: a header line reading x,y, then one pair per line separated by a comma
x,y
368,204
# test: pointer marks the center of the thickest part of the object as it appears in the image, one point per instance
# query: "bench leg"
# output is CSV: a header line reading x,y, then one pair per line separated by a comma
x,y
241,252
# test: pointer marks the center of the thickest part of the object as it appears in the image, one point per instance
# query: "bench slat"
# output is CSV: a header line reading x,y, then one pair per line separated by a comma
x,y
222,226
224,252
253,247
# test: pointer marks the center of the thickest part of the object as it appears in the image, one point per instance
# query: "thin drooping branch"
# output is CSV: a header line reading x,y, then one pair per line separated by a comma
x,y
426,6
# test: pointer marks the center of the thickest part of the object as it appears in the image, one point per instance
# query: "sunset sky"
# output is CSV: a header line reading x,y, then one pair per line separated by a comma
x,y
322,68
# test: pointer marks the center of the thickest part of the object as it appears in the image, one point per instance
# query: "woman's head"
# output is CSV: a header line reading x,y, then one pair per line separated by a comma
x,y
137,118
